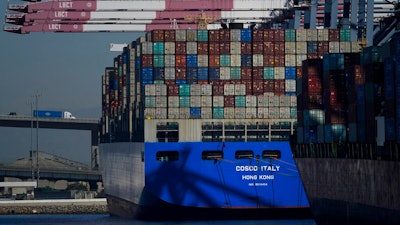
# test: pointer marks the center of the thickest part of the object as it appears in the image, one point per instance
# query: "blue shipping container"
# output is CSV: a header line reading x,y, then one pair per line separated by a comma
x,y
191,60
195,112
246,35
290,72
191,75
158,73
147,74
202,73
246,60
214,73
48,113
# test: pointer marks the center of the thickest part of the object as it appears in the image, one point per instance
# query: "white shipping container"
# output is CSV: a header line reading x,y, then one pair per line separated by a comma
x,y
251,100
262,113
334,47
290,47
169,73
293,101
161,113
301,35
225,73
279,73
147,48
235,35
251,112
206,112
218,101
195,89
149,90
301,47
240,113
169,61
236,60
258,60
229,112
206,101
263,101
290,60
240,89
169,48
202,60
173,101
284,112
206,89
161,89
184,113
345,47
323,35
299,59
191,47
273,112
236,48
229,89
312,35
290,85
355,47
150,113
173,113
161,101
195,101
274,101
180,35
284,101
191,35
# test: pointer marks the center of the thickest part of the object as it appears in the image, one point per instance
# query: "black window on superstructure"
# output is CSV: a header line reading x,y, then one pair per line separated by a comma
x,y
167,156
244,154
212,155
271,154
168,132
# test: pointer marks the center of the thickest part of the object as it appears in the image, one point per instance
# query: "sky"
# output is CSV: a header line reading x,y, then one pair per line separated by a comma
x,y
65,69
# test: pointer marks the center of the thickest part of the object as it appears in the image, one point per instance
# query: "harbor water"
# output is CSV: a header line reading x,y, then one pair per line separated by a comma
x,y
105,219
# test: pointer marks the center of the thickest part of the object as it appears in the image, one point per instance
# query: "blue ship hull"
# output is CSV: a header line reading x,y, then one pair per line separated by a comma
x,y
187,185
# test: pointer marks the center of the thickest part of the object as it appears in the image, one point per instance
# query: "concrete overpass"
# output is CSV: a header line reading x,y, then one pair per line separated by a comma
x,y
58,123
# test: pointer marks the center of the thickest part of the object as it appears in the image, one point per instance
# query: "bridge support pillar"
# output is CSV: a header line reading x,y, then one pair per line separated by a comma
x,y
95,157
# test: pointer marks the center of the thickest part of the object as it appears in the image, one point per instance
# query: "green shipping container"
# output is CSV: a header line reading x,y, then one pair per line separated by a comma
x,y
269,73
225,60
218,113
345,35
158,48
240,101
235,73
184,101
158,61
290,35
202,35
184,89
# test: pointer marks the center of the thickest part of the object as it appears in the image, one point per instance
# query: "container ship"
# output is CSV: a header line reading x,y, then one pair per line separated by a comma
x,y
198,123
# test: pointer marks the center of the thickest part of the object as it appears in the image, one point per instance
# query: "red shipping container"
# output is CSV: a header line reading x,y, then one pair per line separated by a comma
x,y
180,47
269,85
202,48
258,87
279,48
169,35
180,73
258,73
269,35
268,48
225,48
279,60
180,60
147,60
334,35
213,35
249,86
229,101
323,47
299,71
246,73
313,56
214,60
225,35
169,82
279,35
258,35
218,89
246,48
157,35
173,90
269,60
279,87
258,47
214,48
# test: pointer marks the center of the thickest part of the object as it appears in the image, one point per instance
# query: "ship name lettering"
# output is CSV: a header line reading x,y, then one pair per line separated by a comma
x,y
249,177
65,5
61,14
270,168
54,26
246,168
